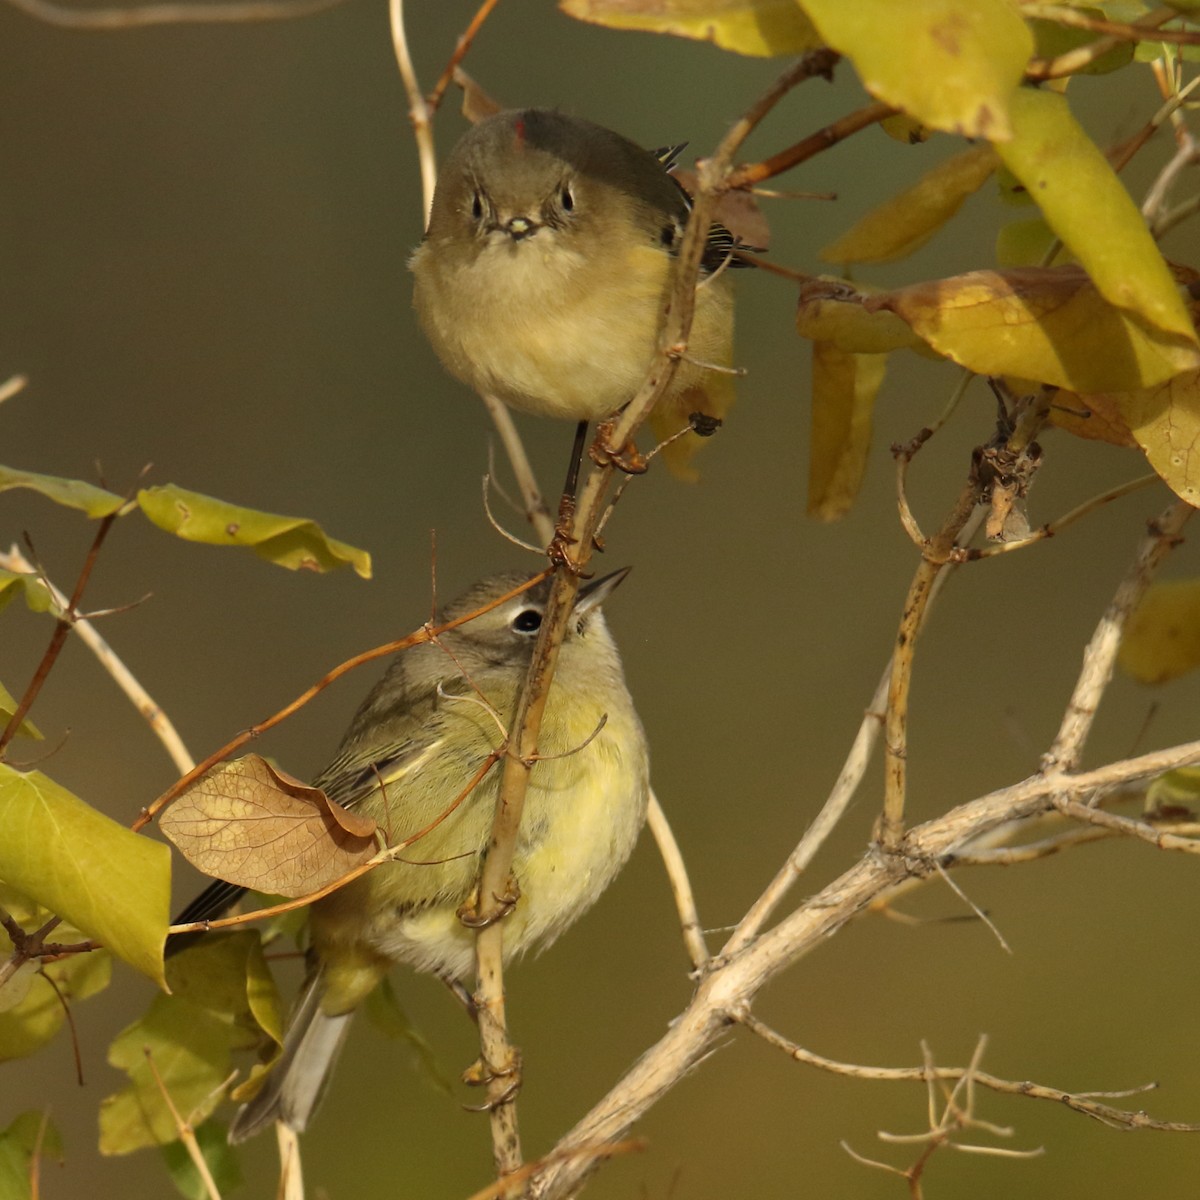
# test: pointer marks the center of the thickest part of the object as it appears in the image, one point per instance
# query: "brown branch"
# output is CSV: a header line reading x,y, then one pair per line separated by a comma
x,y
62,627
844,127
497,1053
460,52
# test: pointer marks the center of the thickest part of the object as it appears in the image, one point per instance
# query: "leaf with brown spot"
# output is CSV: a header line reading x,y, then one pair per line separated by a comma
x,y
249,824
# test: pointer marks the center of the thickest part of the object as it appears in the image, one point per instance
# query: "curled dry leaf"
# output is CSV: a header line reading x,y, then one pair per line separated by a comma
x,y
249,824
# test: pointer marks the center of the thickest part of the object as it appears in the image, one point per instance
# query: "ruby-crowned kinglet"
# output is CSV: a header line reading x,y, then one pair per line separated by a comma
x,y
412,747
544,272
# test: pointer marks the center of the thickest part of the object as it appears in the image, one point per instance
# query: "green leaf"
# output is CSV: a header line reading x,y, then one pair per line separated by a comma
x,y
754,27
111,884
29,1134
219,1157
37,594
73,493
952,64
222,1000
1088,207
8,706
291,542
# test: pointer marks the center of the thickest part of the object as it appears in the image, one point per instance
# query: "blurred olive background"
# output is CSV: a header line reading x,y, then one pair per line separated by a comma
x,y
204,233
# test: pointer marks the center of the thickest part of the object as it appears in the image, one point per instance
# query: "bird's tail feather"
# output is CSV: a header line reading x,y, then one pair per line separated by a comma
x,y
295,1084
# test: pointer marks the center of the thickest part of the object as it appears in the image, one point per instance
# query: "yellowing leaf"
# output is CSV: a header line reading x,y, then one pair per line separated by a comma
x,y
249,824
756,27
1165,421
1044,324
1085,203
291,542
221,991
112,884
37,594
952,64
73,493
909,219
844,391
8,706
1162,638
832,310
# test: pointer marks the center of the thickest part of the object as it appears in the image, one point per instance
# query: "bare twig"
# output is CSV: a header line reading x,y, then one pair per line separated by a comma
x,y
1081,1102
160,724
536,511
1101,652
419,112
681,887
62,627
460,52
187,1135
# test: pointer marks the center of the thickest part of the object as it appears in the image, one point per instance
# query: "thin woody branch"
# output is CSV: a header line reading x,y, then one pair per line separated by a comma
x,y
1080,1102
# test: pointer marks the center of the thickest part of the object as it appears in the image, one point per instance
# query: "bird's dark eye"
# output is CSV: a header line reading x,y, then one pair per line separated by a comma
x,y
528,620
477,206
566,199
667,236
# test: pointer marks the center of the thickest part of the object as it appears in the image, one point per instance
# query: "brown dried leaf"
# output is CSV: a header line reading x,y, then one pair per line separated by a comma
x,y
249,824
739,212
476,103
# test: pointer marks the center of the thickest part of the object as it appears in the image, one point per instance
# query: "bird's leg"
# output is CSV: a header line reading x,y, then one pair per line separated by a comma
x,y
480,1074
558,550
470,914
626,458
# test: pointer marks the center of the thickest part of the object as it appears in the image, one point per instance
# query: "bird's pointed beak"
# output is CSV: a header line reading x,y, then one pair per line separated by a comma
x,y
595,592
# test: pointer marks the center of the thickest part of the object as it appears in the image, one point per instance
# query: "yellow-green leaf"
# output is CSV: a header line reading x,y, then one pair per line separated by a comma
x,y
1174,790
112,884
909,219
843,403
221,993
952,64
1162,637
8,706
73,493
1165,422
1045,324
756,27
37,594
291,542
1085,203
31,1134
